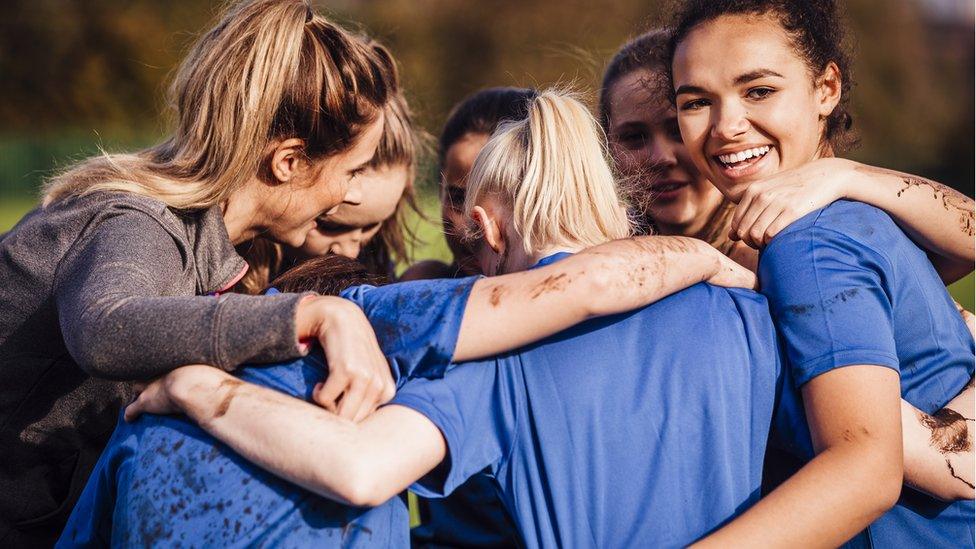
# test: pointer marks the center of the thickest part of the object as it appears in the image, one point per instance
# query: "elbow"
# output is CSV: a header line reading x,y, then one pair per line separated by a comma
x,y
886,478
359,486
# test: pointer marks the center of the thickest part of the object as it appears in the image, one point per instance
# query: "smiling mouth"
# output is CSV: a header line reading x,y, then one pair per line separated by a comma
x,y
742,159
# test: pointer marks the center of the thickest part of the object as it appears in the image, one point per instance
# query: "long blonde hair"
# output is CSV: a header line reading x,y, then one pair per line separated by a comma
x,y
269,69
552,169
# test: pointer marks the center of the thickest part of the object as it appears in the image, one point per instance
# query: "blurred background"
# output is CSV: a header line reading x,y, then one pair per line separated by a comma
x,y
76,75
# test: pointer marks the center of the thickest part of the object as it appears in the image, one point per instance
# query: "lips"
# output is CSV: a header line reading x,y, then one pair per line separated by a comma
x,y
742,163
668,189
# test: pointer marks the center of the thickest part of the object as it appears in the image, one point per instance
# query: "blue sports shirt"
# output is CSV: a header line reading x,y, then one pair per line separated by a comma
x,y
162,480
642,429
847,287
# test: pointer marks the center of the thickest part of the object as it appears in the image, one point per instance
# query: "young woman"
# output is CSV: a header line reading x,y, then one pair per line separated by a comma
x,y
583,451
472,516
118,275
373,229
648,152
468,127
760,90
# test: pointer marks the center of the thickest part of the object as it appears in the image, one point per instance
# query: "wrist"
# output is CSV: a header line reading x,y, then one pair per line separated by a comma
x,y
193,388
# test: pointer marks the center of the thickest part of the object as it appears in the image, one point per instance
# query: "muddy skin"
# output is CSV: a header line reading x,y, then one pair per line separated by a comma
x,y
495,297
552,283
950,434
954,475
951,199
232,386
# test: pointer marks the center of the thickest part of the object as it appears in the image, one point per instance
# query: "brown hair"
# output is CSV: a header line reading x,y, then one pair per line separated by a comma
x,y
399,145
327,275
270,69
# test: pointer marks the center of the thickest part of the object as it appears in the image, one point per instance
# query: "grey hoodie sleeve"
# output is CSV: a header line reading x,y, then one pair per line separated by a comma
x,y
122,318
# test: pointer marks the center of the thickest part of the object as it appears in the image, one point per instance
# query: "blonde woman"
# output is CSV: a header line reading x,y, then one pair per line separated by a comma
x,y
609,433
119,274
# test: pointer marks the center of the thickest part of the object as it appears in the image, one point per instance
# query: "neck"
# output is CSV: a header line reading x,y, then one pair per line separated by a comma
x,y
240,213
546,252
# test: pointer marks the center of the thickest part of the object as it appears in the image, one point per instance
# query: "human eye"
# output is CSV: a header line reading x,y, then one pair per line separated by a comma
x,y
632,139
694,104
760,93
671,129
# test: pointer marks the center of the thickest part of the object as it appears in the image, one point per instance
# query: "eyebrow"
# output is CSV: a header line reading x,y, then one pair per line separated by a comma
x,y
738,81
755,75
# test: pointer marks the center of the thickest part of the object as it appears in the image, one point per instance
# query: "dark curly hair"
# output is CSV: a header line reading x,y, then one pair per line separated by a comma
x,y
816,30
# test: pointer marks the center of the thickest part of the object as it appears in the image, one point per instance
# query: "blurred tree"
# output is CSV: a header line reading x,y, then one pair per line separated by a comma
x,y
71,68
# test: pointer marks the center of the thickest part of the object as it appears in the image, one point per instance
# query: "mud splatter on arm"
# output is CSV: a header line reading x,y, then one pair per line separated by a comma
x,y
937,217
939,456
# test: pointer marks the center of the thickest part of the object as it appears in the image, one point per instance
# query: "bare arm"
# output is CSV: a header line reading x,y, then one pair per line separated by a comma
x,y
939,448
361,464
615,277
855,477
937,217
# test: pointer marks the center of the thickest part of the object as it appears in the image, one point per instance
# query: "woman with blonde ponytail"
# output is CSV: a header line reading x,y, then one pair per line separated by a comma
x,y
119,275
601,435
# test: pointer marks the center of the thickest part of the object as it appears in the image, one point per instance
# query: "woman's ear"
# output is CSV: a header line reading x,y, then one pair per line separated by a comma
x,y
491,230
286,159
829,87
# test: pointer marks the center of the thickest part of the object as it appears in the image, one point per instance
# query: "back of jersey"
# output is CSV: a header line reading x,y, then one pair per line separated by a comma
x,y
651,427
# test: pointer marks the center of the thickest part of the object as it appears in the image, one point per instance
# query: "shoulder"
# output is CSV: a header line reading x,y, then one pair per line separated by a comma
x,y
859,231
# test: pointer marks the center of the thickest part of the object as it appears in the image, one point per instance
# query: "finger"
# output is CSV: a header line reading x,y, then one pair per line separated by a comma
x,y
370,402
133,411
352,399
741,208
749,217
757,231
782,221
334,385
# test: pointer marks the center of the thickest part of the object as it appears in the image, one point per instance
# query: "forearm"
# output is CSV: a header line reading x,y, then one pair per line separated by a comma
x,y
283,435
824,504
936,216
117,335
518,309
939,448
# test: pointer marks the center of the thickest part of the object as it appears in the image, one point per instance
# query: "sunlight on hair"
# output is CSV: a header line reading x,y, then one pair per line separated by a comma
x,y
551,169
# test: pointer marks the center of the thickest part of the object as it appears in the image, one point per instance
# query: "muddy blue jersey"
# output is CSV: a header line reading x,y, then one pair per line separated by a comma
x,y
847,287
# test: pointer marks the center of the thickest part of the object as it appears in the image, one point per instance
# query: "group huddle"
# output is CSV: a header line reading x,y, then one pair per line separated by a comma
x,y
680,320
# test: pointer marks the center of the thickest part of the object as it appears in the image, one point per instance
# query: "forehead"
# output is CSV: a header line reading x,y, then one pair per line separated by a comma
x,y
635,96
461,156
718,51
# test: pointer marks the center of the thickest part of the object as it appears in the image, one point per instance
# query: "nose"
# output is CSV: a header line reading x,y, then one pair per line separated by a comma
x,y
348,245
662,152
354,194
729,122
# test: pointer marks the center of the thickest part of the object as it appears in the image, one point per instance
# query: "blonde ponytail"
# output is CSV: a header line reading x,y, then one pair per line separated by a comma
x,y
269,69
552,169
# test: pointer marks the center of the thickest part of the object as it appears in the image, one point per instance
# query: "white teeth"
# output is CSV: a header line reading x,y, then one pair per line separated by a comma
x,y
740,156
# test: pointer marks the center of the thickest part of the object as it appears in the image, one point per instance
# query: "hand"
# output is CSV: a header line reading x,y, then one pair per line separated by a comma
x,y
157,396
732,275
769,206
359,375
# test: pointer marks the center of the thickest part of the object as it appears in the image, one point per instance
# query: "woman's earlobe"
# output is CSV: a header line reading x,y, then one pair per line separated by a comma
x,y
285,159
830,86
490,230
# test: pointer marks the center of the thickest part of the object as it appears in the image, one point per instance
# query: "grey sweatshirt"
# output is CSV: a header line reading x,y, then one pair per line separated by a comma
x,y
94,291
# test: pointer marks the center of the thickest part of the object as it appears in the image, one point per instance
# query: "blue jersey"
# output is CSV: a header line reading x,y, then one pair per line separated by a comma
x,y
164,481
846,287
641,429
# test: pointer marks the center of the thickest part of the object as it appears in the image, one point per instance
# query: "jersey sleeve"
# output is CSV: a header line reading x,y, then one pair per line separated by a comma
x,y
828,295
416,323
474,407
